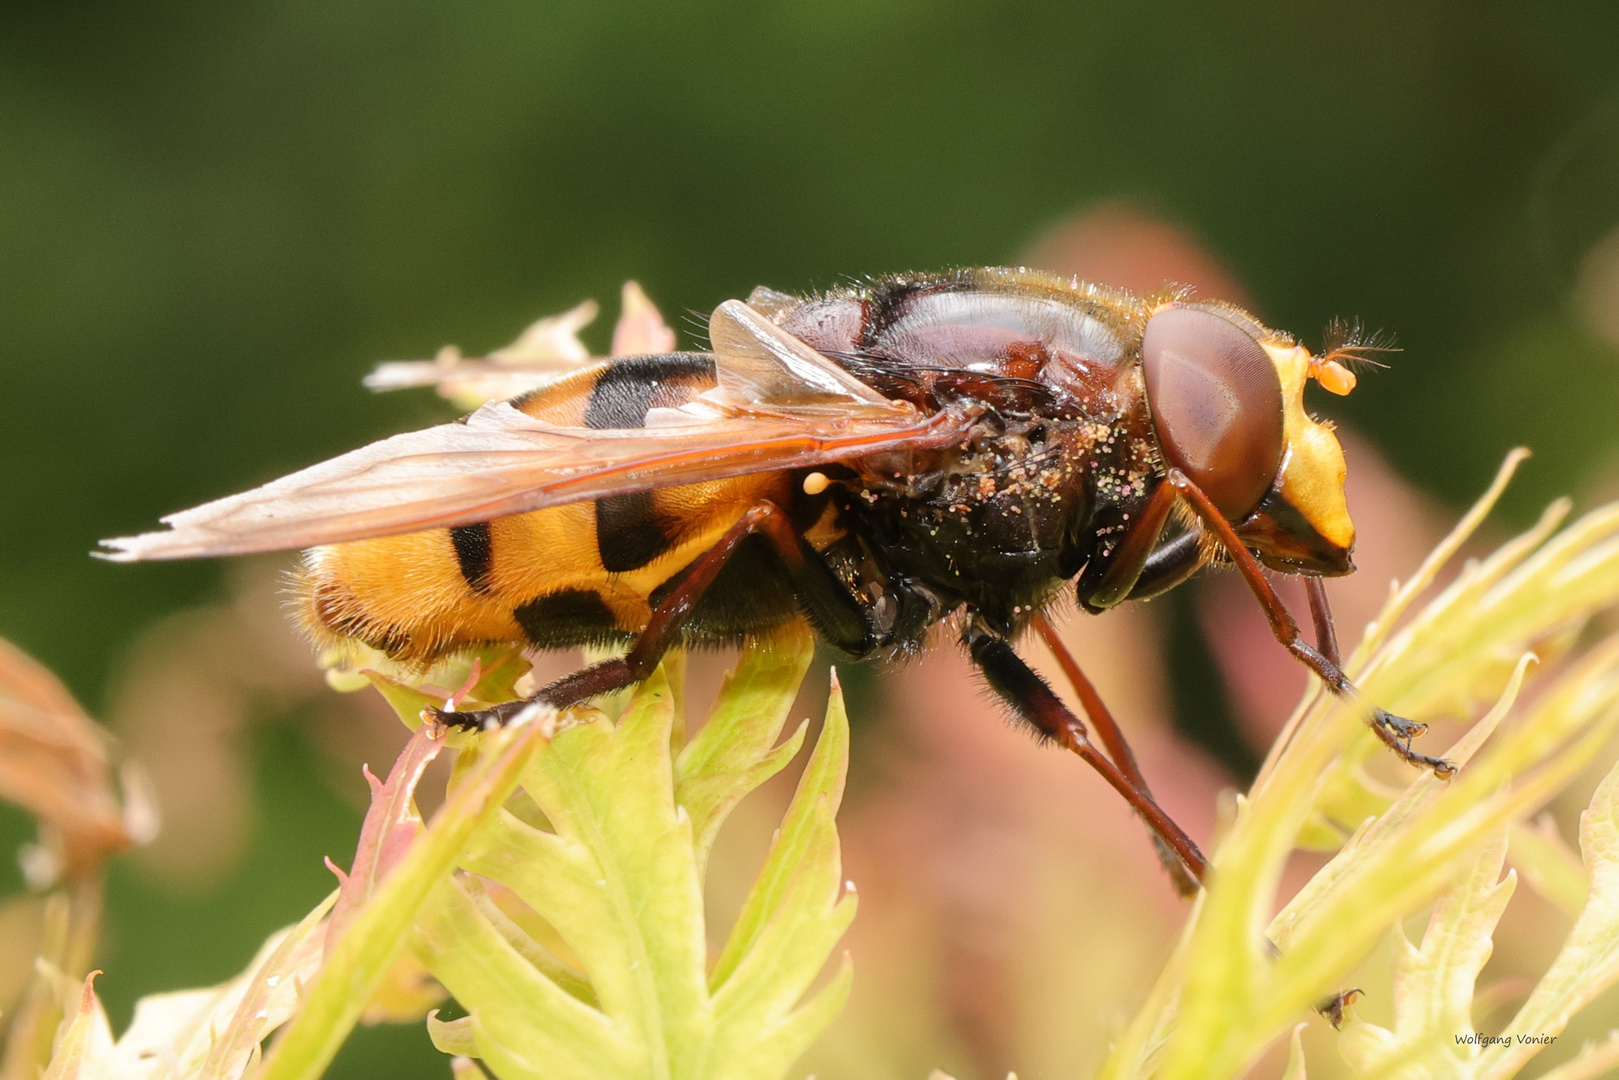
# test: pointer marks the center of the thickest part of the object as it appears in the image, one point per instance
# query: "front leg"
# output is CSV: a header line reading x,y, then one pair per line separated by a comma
x,y
1113,574
1396,732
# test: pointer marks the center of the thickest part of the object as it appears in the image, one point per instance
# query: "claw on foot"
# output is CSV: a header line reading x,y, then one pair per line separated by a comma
x,y
1397,733
481,719
1334,1007
1405,729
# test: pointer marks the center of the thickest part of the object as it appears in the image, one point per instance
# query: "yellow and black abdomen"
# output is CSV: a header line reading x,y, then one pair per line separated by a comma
x,y
583,573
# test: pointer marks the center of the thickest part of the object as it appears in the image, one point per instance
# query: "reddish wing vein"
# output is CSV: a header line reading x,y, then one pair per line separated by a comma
x,y
778,404
501,462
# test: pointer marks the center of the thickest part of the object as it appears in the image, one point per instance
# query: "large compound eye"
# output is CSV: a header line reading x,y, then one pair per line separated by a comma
x,y
1217,404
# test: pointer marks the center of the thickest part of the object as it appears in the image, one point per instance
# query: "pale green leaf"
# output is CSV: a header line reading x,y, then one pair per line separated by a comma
x,y
1347,797
84,1048
1548,865
769,1051
477,679
1423,841
535,953
1589,960
211,1034
1433,983
512,1003
1362,1041
452,1036
1370,840
358,962
1227,997
1295,1055
780,960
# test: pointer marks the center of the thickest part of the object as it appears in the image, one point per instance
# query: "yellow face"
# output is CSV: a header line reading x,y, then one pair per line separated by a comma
x,y
1227,400
1303,524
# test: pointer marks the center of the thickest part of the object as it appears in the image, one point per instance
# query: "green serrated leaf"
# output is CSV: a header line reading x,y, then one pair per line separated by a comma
x,y
407,702
497,669
1348,797
732,754
531,950
1433,985
819,789
618,876
771,1050
513,1005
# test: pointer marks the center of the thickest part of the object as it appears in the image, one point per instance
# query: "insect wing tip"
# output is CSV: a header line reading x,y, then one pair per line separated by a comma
x,y
152,547
119,549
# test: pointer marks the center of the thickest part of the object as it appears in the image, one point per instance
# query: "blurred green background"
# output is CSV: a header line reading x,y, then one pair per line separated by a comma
x,y
215,217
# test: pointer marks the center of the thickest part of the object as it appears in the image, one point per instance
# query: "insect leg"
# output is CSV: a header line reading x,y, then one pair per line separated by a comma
x,y
1107,729
1169,564
1396,732
830,608
1019,686
1326,635
1108,579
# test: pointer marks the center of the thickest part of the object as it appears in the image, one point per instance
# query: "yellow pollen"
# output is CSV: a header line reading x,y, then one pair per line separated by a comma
x,y
815,483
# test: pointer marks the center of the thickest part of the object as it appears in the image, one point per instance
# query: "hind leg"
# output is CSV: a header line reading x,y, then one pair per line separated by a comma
x,y
831,608
1019,686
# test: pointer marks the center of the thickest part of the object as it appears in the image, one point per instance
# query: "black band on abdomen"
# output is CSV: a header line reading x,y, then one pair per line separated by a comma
x,y
475,553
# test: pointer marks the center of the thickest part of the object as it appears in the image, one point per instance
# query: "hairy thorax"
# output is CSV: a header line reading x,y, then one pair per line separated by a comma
x,y
1001,522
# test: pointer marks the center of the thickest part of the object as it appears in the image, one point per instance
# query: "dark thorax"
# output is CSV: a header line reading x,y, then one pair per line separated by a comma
x,y
1060,455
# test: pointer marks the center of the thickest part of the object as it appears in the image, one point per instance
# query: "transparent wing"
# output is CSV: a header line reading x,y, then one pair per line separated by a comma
x,y
502,461
757,361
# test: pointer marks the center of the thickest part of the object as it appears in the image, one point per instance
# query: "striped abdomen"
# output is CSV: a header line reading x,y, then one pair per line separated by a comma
x,y
582,573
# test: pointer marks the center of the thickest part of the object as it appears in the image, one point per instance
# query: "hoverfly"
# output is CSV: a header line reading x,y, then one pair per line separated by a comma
x,y
877,460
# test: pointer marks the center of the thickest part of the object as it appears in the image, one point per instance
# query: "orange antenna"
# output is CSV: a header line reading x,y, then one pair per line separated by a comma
x,y
1332,375
1345,347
